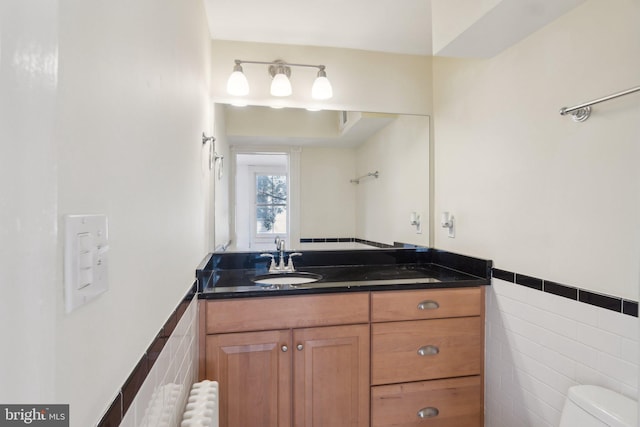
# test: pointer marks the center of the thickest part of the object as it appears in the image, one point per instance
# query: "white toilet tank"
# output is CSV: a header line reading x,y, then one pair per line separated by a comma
x,y
594,406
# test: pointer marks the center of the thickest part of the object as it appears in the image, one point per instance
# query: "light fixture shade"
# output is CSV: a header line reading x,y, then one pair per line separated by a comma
x,y
238,85
321,88
280,85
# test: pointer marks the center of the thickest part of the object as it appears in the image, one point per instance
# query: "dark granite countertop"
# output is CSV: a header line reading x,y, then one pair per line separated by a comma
x,y
229,274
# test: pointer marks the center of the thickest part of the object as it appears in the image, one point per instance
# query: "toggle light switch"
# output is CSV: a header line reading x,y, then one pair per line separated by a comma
x,y
85,277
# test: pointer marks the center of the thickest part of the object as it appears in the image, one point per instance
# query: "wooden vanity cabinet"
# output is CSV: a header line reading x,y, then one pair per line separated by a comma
x,y
427,360
388,358
313,370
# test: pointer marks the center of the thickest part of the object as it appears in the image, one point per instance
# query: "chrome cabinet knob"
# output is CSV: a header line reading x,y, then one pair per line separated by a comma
x,y
284,348
299,347
429,412
428,350
428,305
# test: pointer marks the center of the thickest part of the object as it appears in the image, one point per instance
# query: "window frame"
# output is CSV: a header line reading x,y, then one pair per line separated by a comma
x,y
256,171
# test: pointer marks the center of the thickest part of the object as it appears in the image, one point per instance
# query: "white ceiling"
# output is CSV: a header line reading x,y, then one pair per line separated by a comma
x,y
398,26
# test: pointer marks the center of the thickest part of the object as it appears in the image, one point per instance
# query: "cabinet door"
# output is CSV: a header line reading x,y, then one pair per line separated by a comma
x,y
331,376
254,372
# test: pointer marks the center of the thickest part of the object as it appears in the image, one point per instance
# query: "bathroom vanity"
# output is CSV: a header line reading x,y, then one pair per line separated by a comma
x,y
384,337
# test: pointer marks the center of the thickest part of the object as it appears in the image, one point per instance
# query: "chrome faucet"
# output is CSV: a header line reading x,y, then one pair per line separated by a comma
x,y
280,266
280,248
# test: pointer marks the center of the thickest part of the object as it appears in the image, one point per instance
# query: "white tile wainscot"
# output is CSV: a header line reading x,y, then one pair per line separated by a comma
x,y
163,395
539,344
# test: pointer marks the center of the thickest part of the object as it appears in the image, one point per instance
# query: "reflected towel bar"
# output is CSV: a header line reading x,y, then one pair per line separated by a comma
x,y
357,180
581,112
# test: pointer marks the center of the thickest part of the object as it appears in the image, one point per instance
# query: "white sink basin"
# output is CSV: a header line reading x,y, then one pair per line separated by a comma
x,y
294,278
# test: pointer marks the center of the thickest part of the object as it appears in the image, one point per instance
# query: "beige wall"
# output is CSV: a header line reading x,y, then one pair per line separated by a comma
x,y
132,106
400,152
327,198
361,80
534,191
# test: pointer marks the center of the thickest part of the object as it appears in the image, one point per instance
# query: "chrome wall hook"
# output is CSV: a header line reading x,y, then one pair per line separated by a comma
x,y
206,138
447,221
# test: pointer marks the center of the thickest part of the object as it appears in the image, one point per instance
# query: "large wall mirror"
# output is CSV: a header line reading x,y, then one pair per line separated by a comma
x,y
320,179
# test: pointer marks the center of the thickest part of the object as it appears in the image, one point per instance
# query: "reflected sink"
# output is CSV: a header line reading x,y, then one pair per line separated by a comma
x,y
290,278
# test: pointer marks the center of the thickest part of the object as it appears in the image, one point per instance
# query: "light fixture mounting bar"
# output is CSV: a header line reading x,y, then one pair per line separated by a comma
x,y
286,64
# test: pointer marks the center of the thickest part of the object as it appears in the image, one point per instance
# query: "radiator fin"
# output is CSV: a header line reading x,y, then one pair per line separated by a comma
x,y
202,405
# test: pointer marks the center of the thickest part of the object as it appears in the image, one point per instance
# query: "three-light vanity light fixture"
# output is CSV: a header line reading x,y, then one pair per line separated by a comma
x,y
280,71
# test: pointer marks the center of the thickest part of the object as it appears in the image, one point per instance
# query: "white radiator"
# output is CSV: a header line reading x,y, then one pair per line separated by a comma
x,y
202,405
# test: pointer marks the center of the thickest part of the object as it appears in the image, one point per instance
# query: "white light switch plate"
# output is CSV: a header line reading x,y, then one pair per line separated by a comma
x,y
86,246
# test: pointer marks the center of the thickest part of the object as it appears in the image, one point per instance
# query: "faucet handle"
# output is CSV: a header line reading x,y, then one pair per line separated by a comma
x,y
273,261
290,263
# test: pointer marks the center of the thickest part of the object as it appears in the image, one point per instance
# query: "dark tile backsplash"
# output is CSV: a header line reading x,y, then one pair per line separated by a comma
x,y
113,416
529,282
344,240
630,308
561,290
504,275
156,347
134,382
607,302
602,301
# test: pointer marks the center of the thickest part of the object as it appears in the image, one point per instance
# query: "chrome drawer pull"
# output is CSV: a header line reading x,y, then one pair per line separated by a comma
x,y
428,412
428,305
284,348
428,350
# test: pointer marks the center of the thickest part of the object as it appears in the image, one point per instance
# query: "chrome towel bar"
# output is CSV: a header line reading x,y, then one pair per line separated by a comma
x,y
357,180
581,112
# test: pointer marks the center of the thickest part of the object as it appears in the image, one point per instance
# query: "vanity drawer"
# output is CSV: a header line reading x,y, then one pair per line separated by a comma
x,y
426,304
444,403
425,349
296,311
